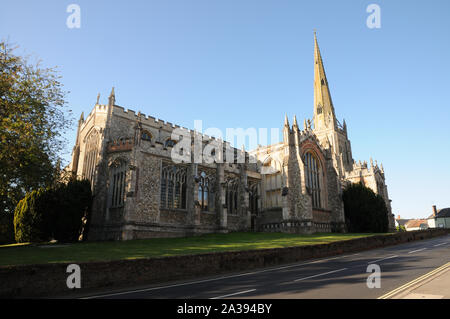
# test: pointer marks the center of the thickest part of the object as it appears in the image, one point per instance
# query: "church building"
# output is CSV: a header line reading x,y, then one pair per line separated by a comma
x,y
140,191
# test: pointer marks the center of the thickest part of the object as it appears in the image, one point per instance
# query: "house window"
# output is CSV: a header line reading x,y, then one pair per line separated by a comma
x,y
173,187
312,175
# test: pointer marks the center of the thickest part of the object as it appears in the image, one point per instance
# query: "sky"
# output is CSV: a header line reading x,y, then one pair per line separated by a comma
x,y
247,63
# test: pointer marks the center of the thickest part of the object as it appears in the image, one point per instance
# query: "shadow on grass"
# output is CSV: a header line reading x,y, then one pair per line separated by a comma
x,y
159,247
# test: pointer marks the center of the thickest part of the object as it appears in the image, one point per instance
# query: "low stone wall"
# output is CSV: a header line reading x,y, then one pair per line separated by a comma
x,y
50,279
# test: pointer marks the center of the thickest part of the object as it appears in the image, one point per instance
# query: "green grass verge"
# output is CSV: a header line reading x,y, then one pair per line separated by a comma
x,y
159,247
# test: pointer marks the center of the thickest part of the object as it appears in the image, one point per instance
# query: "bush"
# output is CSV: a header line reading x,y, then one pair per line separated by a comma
x,y
53,213
74,203
31,218
6,228
364,210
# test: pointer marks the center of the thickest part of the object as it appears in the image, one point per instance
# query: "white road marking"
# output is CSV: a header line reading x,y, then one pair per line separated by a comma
x,y
232,276
199,281
323,274
208,280
415,251
439,244
234,294
375,261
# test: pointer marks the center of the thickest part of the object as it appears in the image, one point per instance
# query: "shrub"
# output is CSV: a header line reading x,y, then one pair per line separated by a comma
x,y
53,213
6,228
364,210
31,219
74,203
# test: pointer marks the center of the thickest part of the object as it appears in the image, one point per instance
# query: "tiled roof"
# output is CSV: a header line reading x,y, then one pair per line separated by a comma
x,y
412,223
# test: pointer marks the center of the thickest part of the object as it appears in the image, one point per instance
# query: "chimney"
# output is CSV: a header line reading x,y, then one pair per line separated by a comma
x,y
434,211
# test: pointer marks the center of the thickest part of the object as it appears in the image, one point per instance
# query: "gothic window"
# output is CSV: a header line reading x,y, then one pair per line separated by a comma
x,y
231,197
253,199
169,143
146,136
90,157
173,187
272,183
312,175
118,183
205,192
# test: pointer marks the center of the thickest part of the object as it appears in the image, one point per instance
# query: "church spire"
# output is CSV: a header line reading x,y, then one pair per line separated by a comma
x,y
286,121
286,130
295,124
324,116
112,98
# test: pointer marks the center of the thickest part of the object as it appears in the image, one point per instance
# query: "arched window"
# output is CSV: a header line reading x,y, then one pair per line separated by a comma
x,y
173,187
146,136
253,198
272,183
90,157
118,183
313,182
169,143
232,197
206,192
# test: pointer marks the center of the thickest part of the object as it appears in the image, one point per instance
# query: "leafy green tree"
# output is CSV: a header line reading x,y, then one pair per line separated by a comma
x,y
32,219
365,211
32,117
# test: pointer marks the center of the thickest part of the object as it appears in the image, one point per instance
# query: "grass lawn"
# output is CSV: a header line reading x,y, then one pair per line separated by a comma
x,y
20,254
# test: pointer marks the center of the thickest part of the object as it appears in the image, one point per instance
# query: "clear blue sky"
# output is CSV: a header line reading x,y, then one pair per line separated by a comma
x,y
241,63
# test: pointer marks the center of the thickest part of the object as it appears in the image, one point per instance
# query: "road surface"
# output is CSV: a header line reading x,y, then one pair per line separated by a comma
x,y
342,277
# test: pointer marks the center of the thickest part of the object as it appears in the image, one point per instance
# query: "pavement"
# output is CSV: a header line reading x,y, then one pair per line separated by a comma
x,y
418,269
433,285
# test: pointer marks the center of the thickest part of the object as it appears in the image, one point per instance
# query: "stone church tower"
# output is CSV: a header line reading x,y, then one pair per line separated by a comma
x,y
141,191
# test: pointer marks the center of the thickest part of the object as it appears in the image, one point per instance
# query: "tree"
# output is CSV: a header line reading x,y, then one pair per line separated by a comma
x,y
32,219
73,202
364,210
32,117
53,213
6,228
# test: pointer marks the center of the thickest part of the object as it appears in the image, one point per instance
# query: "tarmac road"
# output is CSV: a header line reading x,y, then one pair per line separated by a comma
x,y
339,277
